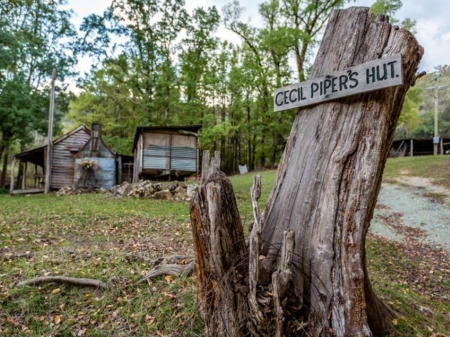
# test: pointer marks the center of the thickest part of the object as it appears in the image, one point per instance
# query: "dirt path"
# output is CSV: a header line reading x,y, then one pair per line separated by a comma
x,y
413,208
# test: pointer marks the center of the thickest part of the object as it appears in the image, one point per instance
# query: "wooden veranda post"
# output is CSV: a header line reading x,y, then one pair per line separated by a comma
x,y
13,170
49,159
304,271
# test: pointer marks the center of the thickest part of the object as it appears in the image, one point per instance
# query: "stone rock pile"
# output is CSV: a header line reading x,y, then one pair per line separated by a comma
x,y
69,190
145,189
155,190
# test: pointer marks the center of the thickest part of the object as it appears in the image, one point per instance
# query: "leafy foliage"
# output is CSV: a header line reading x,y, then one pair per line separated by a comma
x,y
35,37
386,7
425,90
168,68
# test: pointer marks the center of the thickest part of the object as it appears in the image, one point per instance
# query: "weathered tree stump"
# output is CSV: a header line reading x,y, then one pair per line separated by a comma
x,y
305,272
220,256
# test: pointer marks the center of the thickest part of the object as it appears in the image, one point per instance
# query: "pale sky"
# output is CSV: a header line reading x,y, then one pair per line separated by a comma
x,y
432,17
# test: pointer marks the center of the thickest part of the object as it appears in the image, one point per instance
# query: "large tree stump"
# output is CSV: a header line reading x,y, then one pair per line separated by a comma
x,y
306,266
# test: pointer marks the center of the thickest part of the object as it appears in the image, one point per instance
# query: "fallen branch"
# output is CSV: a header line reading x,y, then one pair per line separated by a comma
x,y
63,279
12,256
172,265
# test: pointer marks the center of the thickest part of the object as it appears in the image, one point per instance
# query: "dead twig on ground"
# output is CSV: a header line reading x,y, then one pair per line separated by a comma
x,y
63,279
172,265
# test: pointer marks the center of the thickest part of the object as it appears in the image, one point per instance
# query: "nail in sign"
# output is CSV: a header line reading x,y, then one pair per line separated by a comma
x,y
374,75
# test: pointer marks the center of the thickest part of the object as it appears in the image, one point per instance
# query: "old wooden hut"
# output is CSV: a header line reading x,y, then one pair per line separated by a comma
x,y
68,152
63,163
419,147
165,152
109,164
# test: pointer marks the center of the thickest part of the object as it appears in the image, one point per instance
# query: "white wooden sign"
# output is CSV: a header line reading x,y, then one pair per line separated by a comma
x,y
369,76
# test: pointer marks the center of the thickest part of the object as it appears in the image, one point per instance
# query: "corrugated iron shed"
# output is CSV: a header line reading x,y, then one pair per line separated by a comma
x,y
170,151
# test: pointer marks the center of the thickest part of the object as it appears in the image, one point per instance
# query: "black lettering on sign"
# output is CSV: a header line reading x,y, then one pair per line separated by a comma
x,y
352,76
370,74
334,85
384,77
314,88
292,100
277,99
393,69
300,94
326,86
373,75
343,79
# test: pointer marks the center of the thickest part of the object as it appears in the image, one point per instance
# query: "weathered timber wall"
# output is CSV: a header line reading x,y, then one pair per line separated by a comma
x,y
64,151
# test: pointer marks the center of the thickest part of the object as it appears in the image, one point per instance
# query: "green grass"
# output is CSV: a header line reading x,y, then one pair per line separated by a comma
x,y
242,185
93,236
413,284
435,167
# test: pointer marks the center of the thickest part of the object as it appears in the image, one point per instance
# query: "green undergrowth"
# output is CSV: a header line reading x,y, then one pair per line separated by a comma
x,y
112,240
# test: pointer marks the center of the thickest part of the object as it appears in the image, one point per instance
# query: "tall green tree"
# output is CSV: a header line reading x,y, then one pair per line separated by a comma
x,y
108,100
36,37
166,66
409,118
305,20
386,7
198,52
290,26
152,28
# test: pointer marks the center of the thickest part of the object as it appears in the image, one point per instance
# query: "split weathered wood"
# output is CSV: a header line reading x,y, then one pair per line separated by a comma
x,y
305,273
280,281
255,243
209,165
220,257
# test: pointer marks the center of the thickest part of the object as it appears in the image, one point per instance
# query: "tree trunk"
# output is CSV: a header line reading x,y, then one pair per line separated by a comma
x,y
330,175
4,169
307,270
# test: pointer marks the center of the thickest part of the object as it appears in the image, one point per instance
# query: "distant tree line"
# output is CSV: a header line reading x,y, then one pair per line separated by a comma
x,y
156,64
160,65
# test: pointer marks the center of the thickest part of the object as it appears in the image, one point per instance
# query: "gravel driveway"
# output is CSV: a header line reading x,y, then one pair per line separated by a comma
x,y
413,207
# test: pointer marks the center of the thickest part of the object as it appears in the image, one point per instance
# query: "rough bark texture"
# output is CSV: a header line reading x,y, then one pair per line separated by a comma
x,y
209,165
329,178
305,272
230,298
220,257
